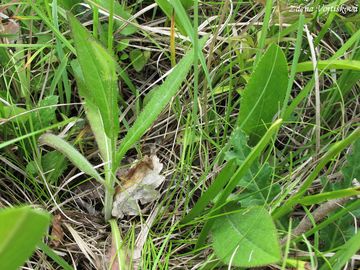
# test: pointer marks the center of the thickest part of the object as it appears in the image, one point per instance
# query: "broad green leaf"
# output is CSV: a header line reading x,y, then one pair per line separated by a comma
x,y
159,99
245,238
71,153
256,184
122,45
99,72
14,112
20,230
259,189
330,64
139,59
344,254
264,95
238,174
53,164
94,116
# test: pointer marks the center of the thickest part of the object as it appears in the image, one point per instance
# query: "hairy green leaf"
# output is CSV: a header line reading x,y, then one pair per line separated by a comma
x,y
71,153
94,116
99,73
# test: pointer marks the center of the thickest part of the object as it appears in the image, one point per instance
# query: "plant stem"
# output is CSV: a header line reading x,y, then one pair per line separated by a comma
x,y
109,196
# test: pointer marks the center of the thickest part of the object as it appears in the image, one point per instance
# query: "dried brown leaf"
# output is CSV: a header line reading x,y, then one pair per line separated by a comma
x,y
57,232
138,184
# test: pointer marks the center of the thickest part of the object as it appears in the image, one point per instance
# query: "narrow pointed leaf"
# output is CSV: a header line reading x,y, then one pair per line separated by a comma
x,y
159,99
71,153
93,114
99,73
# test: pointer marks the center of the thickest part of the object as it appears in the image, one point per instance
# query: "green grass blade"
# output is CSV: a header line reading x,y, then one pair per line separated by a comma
x,y
321,197
111,26
334,150
264,31
61,55
240,172
159,99
254,154
118,246
294,64
331,219
28,135
49,252
182,17
57,33
329,64
347,45
72,154
180,23
216,187
298,99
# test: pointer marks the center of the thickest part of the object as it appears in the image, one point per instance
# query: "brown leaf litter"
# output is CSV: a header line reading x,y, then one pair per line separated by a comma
x,y
139,183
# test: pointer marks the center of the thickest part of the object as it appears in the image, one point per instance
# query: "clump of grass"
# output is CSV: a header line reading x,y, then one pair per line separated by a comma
x,y
256,119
